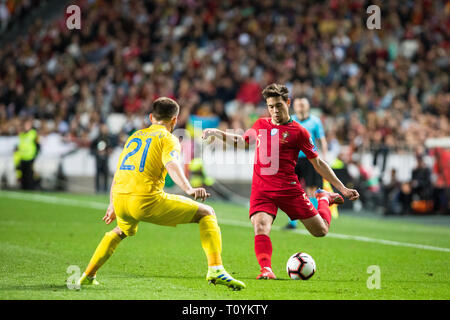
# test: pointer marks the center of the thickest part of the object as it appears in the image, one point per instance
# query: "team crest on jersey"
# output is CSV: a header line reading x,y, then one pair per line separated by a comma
x,y
311,141
274,131
284,135
174,154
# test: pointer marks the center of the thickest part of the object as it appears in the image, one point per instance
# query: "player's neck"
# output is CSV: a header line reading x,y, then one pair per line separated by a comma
x,y
282,122
164,124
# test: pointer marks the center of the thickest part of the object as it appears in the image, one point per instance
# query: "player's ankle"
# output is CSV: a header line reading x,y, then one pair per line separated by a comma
x,y
216,268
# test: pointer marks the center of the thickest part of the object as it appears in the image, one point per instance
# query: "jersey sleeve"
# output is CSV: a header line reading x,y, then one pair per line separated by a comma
x,y
171,149
306,144
251,134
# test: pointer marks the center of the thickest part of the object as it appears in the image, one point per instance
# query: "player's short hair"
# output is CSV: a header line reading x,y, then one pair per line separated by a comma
x,y
276,90
165,109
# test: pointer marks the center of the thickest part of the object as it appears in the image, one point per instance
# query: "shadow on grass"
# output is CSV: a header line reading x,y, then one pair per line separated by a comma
x,y
35,287
200,277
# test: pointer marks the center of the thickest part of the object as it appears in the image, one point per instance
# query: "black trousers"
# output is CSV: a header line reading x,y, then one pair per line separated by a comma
x,y
101,176
27,181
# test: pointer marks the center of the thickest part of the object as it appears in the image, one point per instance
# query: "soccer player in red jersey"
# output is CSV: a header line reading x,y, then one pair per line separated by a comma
x,y
275,185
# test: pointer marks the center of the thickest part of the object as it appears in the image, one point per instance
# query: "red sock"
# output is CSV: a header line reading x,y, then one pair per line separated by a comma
x,y
324,210
263,250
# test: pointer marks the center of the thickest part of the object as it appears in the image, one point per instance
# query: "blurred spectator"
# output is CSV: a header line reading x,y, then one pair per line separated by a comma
x,y
405,198
14,11
101,148
441,190
27,151
391,194
421,180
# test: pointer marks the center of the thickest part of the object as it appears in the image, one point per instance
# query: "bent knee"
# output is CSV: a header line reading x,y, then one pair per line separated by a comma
x,y
320,232
205,210
120,233
262,228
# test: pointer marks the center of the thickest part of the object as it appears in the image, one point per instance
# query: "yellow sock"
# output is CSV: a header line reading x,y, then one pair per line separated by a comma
x,y
211,240
104,250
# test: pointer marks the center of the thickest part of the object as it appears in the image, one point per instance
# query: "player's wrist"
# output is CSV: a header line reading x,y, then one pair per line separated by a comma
x,y
189,190
217,133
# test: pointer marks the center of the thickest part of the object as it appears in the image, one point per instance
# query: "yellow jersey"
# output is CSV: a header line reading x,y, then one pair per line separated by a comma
x,y
141,167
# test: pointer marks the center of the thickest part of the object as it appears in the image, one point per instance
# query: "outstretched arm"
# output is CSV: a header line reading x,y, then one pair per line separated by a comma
x,y
176,173
324,147
327,173
229,138
110,214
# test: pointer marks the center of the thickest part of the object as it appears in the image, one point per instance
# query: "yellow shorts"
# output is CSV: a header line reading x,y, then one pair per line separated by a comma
x,y
163,209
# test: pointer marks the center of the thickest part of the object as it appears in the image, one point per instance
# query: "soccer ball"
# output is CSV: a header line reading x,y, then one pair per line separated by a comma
x,y
301,266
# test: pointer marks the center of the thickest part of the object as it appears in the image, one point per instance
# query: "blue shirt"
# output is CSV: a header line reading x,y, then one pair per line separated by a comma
x,y
314,126
205,122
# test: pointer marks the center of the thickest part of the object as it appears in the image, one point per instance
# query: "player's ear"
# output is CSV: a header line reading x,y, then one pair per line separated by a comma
x,y
173,121
150,116
288,102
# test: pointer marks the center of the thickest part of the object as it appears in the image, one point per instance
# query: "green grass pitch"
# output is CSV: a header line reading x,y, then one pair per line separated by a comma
x,y
42,234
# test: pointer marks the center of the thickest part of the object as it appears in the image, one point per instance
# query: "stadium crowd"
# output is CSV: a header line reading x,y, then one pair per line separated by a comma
x,y
15,11
381,90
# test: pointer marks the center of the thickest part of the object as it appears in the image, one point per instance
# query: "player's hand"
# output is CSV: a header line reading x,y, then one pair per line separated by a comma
x,y
110,215
350,194
199,193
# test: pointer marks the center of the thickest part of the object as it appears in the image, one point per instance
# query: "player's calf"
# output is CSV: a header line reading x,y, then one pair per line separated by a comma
x,y
316,225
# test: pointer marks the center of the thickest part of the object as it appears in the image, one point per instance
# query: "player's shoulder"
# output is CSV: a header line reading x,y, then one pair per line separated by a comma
x,y
170,140
296,126
300,130
263,121
316,119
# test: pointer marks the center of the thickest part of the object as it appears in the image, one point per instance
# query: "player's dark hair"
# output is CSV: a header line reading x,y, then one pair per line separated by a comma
x,y
276,90
164,109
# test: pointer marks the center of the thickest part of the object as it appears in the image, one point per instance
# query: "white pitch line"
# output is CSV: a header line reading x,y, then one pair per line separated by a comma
x,y
103,206
345,237
54,200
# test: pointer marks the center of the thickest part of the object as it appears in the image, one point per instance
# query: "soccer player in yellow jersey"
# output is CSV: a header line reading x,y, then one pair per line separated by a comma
x,y
137,195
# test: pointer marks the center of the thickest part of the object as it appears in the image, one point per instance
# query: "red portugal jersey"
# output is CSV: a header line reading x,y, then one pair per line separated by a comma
x,y
276,154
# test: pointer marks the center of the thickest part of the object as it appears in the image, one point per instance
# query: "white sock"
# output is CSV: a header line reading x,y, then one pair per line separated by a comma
x,y
215,268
